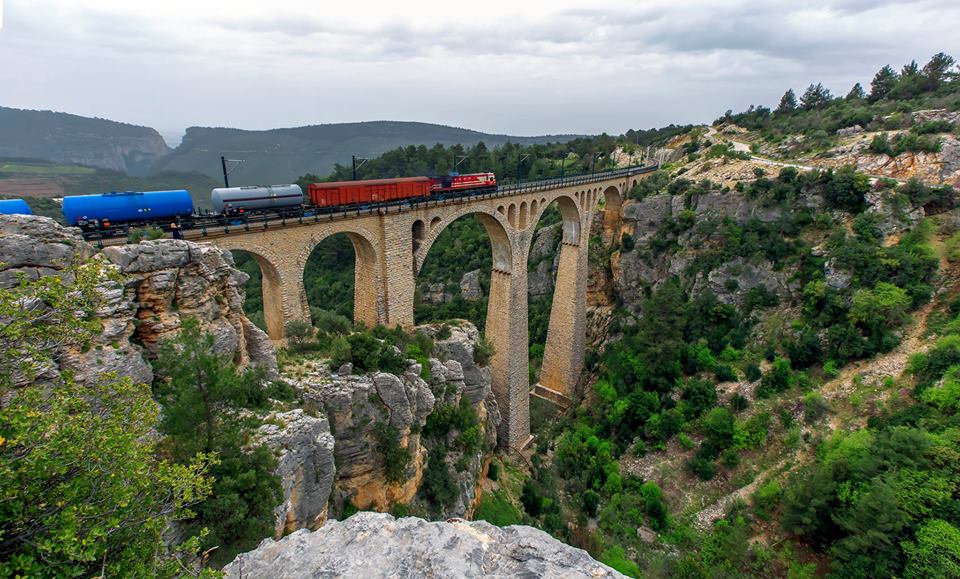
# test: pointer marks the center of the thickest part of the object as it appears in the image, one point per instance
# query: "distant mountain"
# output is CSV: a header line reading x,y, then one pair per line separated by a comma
x,y
282,155
72,139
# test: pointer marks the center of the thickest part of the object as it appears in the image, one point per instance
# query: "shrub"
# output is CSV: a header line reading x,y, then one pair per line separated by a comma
x,y
483,351
396,458
438,487
495,509
776,380
739,402
815,407
766,498
725,373
752,372
298,332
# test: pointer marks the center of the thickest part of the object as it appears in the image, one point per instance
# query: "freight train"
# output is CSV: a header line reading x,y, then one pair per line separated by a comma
x,y
115,213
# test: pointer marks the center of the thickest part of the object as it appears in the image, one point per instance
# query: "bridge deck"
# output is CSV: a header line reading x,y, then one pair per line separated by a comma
x,y
230,227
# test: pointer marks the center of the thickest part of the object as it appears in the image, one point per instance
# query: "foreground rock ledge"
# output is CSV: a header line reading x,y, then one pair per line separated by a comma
x,y
377,545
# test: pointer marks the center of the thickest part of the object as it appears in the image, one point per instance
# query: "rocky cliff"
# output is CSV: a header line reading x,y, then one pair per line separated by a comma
x,y
377,545
163,282
331,452
72,139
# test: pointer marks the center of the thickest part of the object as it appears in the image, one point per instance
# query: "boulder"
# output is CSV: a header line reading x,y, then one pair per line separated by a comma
x,y
372,545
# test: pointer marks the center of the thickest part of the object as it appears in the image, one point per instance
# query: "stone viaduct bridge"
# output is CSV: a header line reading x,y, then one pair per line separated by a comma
x,y
391,244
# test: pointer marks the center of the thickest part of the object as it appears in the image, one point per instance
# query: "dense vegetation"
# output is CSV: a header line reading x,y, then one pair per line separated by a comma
x,y
84,491
817,114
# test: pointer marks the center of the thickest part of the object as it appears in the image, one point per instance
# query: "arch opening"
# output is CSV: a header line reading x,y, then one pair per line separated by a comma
x,y
262,304
339,279
418,232
454,278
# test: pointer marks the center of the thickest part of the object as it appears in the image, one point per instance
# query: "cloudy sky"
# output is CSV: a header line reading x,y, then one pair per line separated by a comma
x,y
507,66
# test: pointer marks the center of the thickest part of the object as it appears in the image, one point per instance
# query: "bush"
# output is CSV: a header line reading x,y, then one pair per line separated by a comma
x,y
396,458
483,351
725,373
438,487
766,498
752,372
739,402
495,509
815,407
776,380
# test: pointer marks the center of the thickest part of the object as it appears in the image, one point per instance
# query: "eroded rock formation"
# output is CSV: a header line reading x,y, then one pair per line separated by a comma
x,y
374,545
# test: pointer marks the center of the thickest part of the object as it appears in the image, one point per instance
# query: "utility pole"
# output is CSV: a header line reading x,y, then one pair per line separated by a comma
x,y
356,166
593,161
456,163
520,161
226,173
562,162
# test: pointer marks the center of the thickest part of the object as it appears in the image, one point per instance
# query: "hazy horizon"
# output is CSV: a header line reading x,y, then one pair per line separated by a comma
x,y
520,69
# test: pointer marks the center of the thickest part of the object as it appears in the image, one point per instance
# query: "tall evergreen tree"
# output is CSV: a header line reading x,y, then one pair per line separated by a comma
x,y
856,93
883,82
788,102
815,97
938,70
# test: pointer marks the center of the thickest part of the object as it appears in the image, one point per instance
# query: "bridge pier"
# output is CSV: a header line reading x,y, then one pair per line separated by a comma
x,y
506,329
563,353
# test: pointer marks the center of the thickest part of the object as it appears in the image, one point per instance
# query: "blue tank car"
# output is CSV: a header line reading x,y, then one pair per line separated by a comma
x,y
14,207
130,207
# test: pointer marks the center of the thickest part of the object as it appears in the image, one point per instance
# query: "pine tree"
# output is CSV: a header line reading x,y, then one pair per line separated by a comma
x,y
856,93
788,102
938,71
883,82
814,97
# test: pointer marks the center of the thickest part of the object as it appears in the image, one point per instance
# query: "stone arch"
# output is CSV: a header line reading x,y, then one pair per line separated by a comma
x,y
274,282
612,203
418,231
523,215
496,227
367,304
533,208
512,214
435,222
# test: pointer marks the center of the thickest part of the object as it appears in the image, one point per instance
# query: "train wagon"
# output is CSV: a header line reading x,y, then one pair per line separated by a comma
x,y
128,207
239,200
468,182
14,207
365,192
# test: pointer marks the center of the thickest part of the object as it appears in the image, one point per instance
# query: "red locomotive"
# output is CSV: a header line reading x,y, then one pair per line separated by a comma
x,y
340,193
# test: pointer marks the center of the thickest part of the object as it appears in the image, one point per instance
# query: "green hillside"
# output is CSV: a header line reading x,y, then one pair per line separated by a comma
x,y
72,139
281,155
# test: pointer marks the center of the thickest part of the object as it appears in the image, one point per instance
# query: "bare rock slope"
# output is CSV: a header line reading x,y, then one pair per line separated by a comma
x,y
374,545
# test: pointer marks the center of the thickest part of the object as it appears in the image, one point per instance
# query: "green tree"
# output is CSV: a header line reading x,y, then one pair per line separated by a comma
x,y
883,82
938,71
815,97
935,553
203,395
83,491
856,93
788,102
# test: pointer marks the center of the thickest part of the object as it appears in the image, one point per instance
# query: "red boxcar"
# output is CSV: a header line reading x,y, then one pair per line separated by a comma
x,y
372,191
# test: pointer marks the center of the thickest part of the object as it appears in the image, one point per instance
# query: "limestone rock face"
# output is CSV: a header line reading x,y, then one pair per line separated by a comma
x,y
470,286
304,446
163,281
374,545
435,293
358,406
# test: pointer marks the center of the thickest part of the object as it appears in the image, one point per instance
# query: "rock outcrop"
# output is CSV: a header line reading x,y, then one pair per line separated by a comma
x,y
304,446
163,282
373,545
362,408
